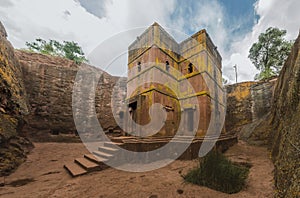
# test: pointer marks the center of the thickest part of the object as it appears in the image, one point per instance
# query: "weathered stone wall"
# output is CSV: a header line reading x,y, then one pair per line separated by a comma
x,y
49,84
269,113
13,107
285,127
262,93
247,103
239,111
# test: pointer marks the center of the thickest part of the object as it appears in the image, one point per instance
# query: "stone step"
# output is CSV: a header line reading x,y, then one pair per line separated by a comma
x,y
87,164
119,139
181,142
96,159
75,169
112,144
108,150
102,154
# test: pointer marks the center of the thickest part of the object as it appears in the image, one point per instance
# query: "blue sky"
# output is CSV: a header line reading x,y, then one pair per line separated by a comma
x,y
239,16
235,11
232,24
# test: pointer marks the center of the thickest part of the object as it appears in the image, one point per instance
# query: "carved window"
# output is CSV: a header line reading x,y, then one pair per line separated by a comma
x,y
190,68
139,67
190,119
167,66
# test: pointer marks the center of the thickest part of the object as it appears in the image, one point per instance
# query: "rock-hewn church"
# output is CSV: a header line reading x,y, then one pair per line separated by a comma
x,y
154,55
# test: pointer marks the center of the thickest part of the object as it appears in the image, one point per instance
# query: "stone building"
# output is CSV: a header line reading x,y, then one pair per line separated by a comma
x,y
175,75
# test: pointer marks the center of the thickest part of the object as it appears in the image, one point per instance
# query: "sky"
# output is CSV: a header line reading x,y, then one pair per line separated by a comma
x,y
233,25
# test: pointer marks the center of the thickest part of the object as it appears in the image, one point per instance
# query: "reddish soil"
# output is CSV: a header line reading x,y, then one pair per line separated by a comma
x,y
43,175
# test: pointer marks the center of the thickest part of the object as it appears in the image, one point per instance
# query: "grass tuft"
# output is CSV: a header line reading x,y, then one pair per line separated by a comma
x,y
215,171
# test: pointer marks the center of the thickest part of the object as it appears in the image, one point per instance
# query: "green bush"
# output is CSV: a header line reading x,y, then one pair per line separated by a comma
x,y
67,49
217,172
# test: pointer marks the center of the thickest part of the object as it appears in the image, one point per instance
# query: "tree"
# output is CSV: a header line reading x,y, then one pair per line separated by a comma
x,y
270,52
67,49
73,52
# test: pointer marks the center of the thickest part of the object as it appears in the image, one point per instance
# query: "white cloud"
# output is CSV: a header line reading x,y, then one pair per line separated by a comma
x,y
272,14
98,8
208,16
25,21
47,19
68,20
197,15
6,3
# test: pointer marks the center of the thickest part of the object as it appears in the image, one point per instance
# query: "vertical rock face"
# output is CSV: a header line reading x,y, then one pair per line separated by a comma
x,y
13,107
239,106
247,103
49,84
262,93
285,128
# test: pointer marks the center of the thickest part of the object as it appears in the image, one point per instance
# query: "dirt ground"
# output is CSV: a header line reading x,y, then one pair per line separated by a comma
x,y
43,175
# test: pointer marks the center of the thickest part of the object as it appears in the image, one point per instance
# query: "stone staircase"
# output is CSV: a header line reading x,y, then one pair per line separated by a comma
x,y
92,162
109,151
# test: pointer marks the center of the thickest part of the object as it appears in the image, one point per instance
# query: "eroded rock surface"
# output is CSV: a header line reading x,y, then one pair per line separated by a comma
x,y
248,105
13,107
285,127
49,84
280,128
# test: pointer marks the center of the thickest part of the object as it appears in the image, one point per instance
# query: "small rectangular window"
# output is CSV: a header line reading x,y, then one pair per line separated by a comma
x,y
167,66
190,121
139,67
190,68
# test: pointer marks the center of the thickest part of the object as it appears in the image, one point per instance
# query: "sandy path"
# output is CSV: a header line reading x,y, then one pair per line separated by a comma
x,y
45,166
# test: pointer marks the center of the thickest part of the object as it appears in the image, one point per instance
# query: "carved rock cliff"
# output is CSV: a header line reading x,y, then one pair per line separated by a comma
x,y
13,108
248,105
49,84
285,127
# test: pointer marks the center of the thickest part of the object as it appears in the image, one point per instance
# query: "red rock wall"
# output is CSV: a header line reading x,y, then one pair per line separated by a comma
x,y
49,83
